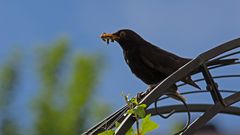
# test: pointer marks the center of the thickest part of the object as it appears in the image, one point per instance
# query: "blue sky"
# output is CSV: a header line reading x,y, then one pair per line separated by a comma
x,y
186,28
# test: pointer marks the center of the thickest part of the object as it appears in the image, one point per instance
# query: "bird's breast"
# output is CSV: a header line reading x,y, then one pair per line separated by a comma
x,y
147,74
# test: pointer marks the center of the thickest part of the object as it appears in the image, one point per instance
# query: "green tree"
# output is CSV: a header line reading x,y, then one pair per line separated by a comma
x,y
8,80
67,84
62,104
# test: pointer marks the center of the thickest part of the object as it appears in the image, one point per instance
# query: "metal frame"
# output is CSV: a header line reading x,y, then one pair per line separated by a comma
x,y
199,64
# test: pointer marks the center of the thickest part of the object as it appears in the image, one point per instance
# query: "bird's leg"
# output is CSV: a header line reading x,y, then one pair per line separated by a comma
x,y
140,95
173,93
176,96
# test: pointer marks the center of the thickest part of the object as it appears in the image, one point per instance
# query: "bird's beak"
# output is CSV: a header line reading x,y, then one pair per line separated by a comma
x,y
109,37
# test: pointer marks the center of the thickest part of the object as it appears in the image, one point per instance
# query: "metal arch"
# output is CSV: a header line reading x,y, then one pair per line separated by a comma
x,y
176,76
107,122
189,68
192,108
211,112
214,77
202,91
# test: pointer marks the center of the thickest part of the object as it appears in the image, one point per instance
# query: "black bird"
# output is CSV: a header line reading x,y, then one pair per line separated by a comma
x,y
149,63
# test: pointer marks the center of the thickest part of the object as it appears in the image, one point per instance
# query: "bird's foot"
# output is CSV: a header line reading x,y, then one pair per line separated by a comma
x,y
141,95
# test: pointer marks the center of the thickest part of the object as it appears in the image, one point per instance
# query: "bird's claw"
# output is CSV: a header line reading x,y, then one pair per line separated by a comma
x,y
141,95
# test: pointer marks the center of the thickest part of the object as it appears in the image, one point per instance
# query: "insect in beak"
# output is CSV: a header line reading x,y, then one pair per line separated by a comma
x,y
109,37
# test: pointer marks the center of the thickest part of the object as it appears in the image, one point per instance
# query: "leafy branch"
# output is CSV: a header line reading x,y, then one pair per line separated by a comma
x,y
138,111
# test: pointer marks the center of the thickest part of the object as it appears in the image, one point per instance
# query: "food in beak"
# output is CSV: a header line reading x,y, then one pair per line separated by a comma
x,y
108,37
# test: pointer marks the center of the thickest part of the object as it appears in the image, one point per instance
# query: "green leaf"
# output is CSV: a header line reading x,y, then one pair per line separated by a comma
x,y
130,111
126,98
134,101
140,111
143,105
117,124
148,125
108,132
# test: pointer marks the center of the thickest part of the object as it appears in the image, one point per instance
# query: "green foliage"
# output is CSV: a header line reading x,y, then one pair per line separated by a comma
x,y
8,80
67,83
50,62
108,132
66,87
9,127
135,108
148,125
68,115
138,111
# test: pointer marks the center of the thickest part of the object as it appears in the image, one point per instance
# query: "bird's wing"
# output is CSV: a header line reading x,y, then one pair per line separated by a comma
x,y
165,62
161,60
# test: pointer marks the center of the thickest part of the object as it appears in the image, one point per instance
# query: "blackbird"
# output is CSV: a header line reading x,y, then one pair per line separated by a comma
x,y
148,62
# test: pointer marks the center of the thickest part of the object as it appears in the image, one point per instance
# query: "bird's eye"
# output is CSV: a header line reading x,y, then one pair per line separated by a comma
x,y
122,34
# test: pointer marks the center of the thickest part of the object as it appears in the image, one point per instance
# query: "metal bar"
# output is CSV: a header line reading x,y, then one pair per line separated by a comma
x,y
227,55
98,128
223,65
211,85
214,77
202,91
192,108
216,66
220,49
213,111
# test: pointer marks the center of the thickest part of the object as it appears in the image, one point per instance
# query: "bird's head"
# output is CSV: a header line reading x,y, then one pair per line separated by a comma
x,y
124,37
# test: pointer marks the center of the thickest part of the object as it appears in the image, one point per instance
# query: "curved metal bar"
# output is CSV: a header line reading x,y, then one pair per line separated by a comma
x,y
185,70
161,115
214,77
192,108
188,114
227,55
220,49
213,67
211,112
202,91
172,109
223,65
105,124
118,119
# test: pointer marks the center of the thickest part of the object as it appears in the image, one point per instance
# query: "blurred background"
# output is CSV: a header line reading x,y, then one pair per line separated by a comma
x,y
57,77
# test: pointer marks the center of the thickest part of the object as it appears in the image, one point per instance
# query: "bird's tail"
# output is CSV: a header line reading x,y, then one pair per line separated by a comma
x,y
216,62
189,81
